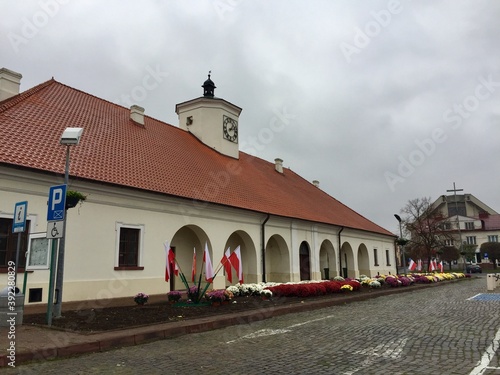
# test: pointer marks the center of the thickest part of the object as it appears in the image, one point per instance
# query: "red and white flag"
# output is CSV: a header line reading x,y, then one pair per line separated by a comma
x,y
419,265
209,271
412,266
193,268
441,266
432,265
227,265
235,260
170,259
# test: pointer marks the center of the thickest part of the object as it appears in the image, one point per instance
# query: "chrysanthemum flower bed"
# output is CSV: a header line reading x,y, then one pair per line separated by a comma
x,y
418,278
338,285
234,299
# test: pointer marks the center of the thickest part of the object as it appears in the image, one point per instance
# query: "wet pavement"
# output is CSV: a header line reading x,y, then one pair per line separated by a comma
x,y
449,329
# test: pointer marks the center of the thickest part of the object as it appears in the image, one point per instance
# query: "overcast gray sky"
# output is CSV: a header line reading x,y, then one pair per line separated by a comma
x,y
381,101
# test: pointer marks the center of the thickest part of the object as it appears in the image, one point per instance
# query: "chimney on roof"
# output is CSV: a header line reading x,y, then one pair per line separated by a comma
x,y
137,114
278,165
316,183
9,83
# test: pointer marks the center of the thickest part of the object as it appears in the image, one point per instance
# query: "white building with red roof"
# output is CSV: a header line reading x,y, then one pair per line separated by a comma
x,y
148,182
472,221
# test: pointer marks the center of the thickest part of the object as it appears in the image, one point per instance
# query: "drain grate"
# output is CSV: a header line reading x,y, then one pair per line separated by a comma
x,y
486,297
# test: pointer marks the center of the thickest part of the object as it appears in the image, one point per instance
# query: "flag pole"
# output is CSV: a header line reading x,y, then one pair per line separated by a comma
x,y
193,266
209,282
220,266
181,274
199,279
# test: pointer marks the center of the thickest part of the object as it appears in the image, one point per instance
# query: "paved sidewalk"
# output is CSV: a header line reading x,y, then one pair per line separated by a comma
x,y
35,343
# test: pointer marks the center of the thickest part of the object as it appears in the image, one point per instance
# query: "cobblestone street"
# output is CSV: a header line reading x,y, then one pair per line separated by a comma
x,y
431,331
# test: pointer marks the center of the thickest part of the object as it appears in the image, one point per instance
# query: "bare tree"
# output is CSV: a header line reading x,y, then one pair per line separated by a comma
x,y
468,252
450,254
493,251
425,227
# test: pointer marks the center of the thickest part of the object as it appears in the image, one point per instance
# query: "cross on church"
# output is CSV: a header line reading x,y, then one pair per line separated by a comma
x,y
455,190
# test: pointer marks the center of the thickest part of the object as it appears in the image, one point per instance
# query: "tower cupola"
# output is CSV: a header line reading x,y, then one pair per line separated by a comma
x,y
208,87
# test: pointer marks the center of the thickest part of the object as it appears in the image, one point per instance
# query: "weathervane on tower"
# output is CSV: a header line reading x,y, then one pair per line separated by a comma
x,y
208,87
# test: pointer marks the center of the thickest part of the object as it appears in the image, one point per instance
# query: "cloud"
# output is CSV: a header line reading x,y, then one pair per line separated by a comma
x,y
354,118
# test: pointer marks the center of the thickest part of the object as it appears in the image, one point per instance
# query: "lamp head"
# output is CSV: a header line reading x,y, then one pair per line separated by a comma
x,y
398,218
71,136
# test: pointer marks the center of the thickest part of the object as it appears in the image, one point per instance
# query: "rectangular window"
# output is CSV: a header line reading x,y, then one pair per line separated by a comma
x,y
493,238
471,240
387,258
8,244
129,247
456,208
469,225
448,242
447,226
375,256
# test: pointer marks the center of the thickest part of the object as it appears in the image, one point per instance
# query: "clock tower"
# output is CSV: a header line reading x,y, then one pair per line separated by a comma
x,y
212,120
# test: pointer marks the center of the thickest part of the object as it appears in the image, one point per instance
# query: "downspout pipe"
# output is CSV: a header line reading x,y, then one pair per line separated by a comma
x,y
263,242
340,255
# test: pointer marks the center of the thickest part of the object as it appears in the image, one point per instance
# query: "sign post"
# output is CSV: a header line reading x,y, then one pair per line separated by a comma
x,y
55,230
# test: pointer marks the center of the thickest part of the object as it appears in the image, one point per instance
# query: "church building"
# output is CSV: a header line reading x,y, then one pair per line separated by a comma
x,y
147,182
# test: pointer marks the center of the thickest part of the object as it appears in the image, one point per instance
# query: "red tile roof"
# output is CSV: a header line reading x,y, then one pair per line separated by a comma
x,y
491,222
155,157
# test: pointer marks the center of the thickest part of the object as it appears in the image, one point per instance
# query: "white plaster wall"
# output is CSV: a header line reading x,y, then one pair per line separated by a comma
x,y
207,119
91,240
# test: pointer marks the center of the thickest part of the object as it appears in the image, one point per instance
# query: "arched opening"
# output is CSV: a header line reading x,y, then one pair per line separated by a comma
x,y
184,243
248,257
304,261
327,260
277,260
364,260
347,259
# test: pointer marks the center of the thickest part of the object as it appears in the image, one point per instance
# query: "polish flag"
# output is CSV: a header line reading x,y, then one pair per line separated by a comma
x,y
432,265
209,271
412,266
235,260
419,265
227,265
441,266
170,258
193,268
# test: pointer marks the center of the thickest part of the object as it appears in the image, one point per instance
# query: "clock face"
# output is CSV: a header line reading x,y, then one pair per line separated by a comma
x,y
230,129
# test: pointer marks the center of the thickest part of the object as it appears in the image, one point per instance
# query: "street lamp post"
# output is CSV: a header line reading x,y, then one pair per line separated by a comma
x,y
70,137
398,218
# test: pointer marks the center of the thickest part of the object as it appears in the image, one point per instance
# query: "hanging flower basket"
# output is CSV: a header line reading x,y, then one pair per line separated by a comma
x,y
73,198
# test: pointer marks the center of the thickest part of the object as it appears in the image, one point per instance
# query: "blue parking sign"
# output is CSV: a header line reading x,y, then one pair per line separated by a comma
x,y
57,203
